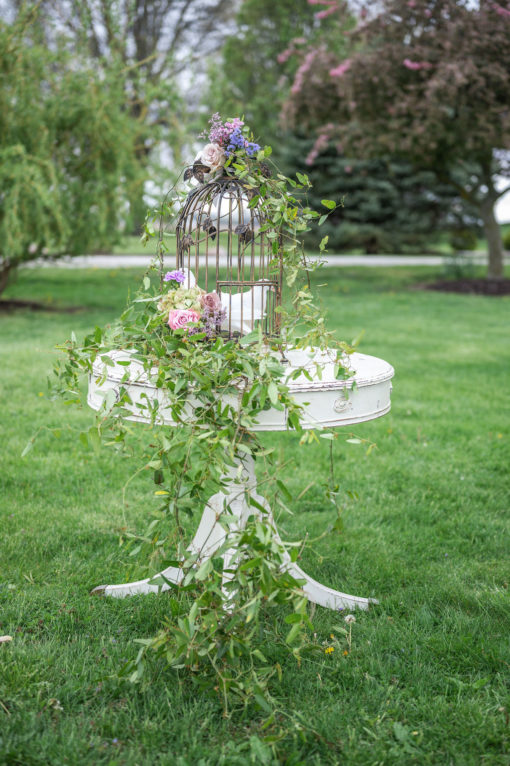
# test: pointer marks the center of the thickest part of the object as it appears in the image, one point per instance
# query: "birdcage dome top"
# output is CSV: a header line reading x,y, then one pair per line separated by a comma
x,y
227,201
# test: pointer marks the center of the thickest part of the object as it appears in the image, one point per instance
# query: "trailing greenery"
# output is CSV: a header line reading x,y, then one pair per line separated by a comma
x,y
216,632
425,678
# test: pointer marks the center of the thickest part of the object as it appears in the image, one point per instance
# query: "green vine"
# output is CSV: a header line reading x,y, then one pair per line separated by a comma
x,y
220,632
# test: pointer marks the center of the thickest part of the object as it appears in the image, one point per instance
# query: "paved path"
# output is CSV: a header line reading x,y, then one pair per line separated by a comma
x,y
141,261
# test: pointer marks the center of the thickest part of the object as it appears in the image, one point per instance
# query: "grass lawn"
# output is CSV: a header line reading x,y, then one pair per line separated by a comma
x,y
426,679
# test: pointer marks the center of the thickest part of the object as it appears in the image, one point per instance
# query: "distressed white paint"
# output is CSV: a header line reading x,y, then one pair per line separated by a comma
x,y
326,402
367,392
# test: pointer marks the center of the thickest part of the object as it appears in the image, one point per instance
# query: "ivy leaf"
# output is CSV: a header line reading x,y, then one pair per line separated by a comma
x,y
284,489
28,447
94,439
272,391
293,632
204,570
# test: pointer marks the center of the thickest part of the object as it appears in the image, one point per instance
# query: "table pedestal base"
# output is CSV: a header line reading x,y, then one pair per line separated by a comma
x,y
211,534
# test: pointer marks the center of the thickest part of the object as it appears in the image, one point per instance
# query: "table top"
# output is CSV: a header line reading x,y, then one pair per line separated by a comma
x,y
326,401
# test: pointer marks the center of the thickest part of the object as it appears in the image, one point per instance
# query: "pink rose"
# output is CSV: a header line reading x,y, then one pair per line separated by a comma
x,y
179,318
211,301
213,155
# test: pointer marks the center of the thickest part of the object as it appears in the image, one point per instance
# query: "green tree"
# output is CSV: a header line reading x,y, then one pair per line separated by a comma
x,y
68,164
252,74
157,42
428,83
389,206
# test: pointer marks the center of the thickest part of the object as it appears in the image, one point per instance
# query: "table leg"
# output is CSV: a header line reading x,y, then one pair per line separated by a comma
x,y
211,534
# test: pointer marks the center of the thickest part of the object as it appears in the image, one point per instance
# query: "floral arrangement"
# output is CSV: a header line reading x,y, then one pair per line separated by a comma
x,y
227,140
190,308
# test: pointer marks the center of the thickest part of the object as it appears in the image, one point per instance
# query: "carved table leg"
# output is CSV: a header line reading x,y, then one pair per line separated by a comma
x,y
211,534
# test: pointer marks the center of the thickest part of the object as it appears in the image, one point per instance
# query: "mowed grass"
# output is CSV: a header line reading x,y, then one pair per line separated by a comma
x,y
426,677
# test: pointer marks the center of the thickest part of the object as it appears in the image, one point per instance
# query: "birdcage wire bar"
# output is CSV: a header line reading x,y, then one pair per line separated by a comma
x,y
224,242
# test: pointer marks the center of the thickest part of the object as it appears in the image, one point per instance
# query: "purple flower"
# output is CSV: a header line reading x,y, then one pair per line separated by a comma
x,y
220,133
176,276
252,148
236,141
235,124
212,319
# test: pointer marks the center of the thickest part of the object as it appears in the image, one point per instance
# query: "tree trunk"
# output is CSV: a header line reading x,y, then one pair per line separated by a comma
x,y
494,241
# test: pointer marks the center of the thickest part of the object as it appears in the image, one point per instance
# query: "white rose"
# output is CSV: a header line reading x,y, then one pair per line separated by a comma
x,y
213,156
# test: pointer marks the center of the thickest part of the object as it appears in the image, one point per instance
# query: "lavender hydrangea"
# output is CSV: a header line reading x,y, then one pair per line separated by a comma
x,y
174,276
236,141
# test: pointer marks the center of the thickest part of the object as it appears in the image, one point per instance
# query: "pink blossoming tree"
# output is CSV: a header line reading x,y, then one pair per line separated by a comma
x,y
427,81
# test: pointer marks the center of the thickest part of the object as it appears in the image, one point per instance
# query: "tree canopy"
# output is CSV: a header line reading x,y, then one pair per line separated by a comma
x,y
68,162
427,81
253,72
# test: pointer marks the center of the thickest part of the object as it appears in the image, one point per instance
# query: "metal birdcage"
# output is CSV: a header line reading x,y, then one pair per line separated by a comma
x,y
225,246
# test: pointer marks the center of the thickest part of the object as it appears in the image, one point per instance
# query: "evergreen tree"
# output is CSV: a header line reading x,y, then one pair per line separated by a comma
x,y
388,206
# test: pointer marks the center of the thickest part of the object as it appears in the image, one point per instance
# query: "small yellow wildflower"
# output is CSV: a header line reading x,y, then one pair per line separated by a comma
x,y
331,635
329,650
346,653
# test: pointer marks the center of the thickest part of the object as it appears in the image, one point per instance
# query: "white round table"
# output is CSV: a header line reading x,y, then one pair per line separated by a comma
x,y
326,402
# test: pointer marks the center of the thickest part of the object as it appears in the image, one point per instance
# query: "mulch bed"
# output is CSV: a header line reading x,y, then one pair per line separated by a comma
x,y
8,306
491,287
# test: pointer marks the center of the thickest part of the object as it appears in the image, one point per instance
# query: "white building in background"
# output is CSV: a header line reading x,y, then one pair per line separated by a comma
x,y
503,204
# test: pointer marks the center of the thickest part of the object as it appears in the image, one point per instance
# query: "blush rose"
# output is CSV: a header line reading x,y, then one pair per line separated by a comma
x,y
179,318
211,301
213,156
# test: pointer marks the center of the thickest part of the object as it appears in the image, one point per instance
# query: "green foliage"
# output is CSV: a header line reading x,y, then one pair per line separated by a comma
x,y
214,633
506,240
463,239
67,150
250,80
425,82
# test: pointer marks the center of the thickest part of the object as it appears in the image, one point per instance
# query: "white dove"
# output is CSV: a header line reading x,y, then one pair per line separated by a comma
x,y
190,280
250,305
